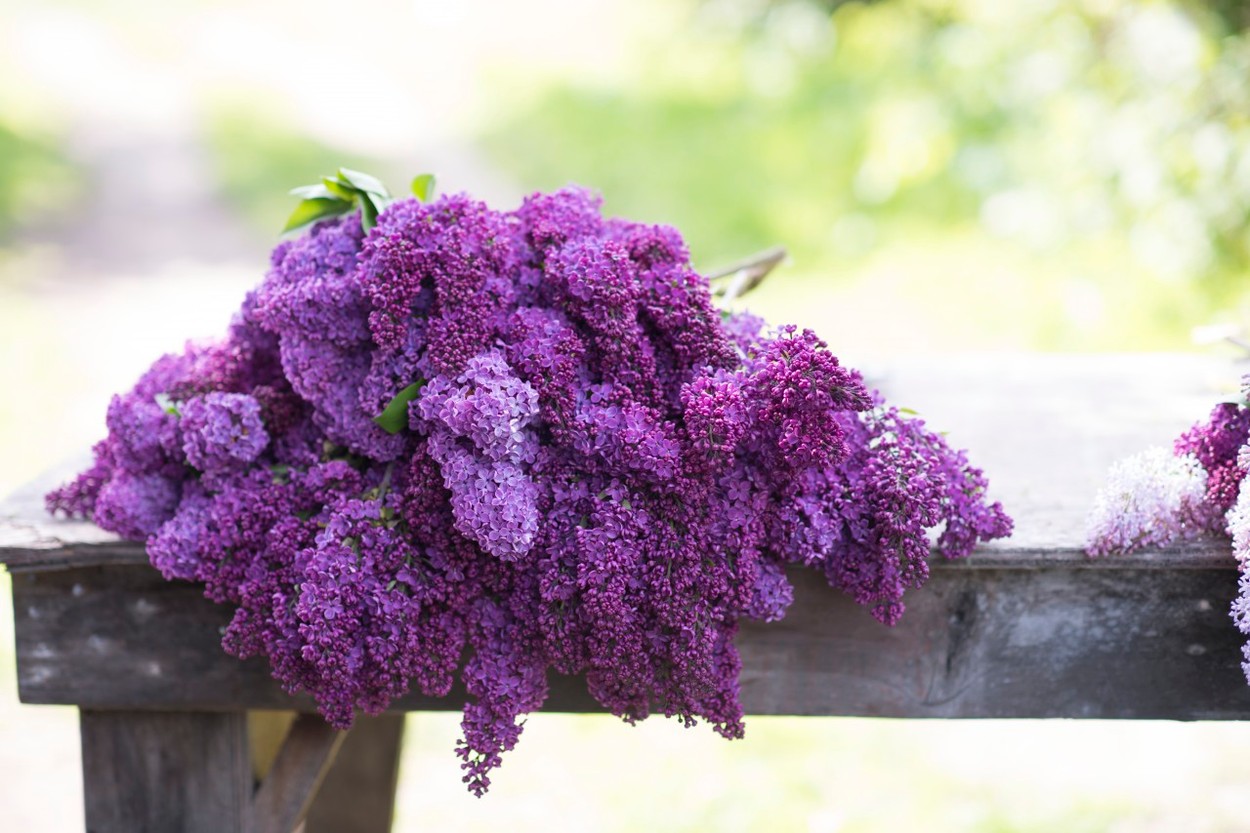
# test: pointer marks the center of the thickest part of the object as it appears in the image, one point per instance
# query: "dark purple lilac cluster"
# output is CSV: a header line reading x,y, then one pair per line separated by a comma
x,y
598,474
1216,444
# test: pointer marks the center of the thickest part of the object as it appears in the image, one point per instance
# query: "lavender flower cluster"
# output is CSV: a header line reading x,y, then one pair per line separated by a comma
x,y
1160,497
599,473
1163,496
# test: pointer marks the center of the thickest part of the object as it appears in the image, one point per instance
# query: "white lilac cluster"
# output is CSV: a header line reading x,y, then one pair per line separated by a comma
x,y
1238,523
1153,498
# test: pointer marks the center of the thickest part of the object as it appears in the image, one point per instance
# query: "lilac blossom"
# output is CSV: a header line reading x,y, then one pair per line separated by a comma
x,y
1240,613
599,475
1156,498
222,432
1237,522
135,505
1152,498
1216,444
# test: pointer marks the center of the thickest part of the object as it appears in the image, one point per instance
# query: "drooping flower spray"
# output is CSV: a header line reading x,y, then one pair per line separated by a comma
x,y
445,442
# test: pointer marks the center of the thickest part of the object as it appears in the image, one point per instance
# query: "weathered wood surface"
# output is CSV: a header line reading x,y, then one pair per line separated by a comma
x,y
1028,627
283,799
30,537
989,642
358,796
164,771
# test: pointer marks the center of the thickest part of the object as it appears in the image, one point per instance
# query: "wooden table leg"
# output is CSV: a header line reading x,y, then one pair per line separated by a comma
x,y
158,771
358,794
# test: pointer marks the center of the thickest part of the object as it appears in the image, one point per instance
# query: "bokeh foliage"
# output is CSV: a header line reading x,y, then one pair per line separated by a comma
x,y
259,157
1080,160
35,177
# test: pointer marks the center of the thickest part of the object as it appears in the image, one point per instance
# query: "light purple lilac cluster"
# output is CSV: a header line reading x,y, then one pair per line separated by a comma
x,y
600,474
1160,497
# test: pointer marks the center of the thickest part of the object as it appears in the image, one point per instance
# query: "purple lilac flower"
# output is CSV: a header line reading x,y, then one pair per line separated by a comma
x,y
599,476
1215,444
135,505
479,432
145,435
450,262
1240,613
222,432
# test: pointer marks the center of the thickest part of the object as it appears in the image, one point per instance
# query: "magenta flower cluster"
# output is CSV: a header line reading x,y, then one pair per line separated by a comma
x,y
599,474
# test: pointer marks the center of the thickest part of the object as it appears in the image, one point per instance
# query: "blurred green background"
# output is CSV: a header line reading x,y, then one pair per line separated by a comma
x,y
948,175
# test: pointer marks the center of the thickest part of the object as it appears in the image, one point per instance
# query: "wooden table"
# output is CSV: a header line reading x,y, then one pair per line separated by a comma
x,y
1027,627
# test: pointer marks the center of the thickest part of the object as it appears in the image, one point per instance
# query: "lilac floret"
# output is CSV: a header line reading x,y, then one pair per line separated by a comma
x,y
487,406
145,435
174,548
494,501
222,432
135,505
1216,444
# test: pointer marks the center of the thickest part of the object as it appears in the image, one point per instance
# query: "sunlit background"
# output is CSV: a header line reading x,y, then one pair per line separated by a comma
x,y
948,175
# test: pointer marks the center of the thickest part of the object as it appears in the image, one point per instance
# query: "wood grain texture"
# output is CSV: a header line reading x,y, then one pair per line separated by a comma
x,y
153,772
1057,640
283,799
358,794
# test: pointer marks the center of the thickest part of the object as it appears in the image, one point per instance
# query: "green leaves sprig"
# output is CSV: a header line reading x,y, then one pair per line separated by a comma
x,y
340,194
394,418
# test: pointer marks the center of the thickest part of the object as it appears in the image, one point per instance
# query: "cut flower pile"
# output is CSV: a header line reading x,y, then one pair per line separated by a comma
x,y
483,446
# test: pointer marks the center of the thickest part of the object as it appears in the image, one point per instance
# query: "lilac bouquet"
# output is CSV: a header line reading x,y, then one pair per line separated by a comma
x,y
445,442
1165,496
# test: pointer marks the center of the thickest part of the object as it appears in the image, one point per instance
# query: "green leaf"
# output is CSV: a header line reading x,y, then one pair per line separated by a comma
x,y
312,210
394,418
337,188
363,182
167,404
312,192
368,212
908,411
423,187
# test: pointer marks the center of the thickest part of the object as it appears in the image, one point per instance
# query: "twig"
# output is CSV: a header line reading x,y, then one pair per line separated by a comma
x,y
750,273
1238,341
1213,333
386,481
